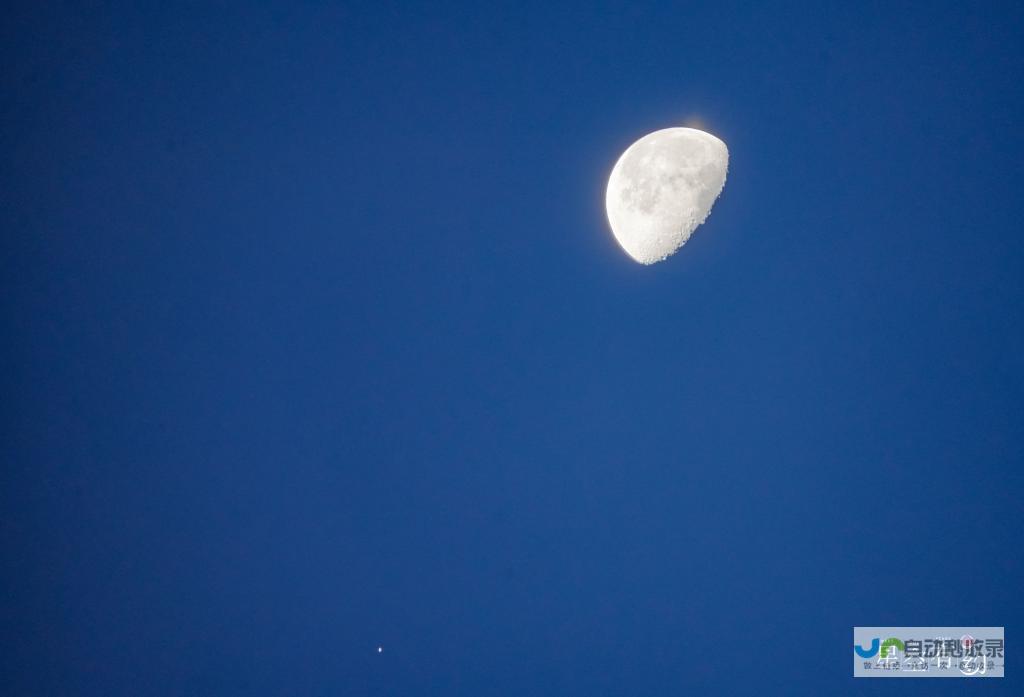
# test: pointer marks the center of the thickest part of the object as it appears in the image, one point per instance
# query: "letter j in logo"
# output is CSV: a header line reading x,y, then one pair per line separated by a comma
x,y
869,652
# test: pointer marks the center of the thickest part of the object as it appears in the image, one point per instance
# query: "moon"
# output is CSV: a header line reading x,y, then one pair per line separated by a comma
x,y
662,188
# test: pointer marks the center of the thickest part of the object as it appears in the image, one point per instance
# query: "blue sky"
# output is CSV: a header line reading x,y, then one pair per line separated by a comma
x,y
318,341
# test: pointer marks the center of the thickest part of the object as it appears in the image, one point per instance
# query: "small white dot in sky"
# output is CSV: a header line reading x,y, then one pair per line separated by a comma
x,y
380,649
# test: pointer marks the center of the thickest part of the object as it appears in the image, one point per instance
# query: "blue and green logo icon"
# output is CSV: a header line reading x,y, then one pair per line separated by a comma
x,y
888,648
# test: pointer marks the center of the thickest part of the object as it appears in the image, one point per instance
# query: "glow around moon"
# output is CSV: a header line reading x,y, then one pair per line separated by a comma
x,y
662,188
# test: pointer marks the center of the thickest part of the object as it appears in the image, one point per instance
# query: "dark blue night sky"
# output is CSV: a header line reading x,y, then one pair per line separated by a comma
x,y
316,340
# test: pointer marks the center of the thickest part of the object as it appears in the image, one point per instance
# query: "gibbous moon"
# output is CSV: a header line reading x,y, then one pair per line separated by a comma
x,y
662,188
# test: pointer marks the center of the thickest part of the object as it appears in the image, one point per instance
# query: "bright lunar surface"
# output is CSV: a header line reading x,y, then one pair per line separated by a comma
x,y
662,188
